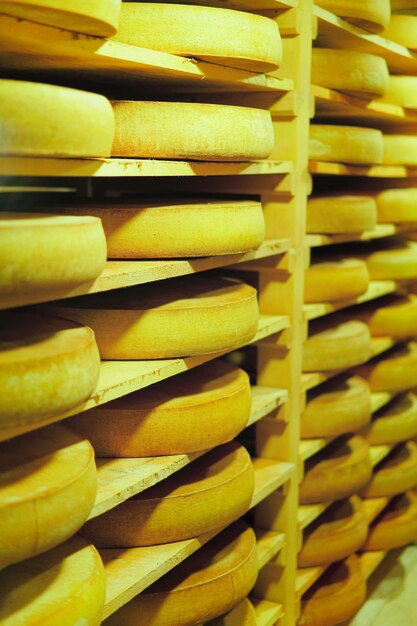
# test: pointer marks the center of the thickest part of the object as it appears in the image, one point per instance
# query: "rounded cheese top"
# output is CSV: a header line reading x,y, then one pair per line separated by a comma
x,y
400,149
395,263
402,91
346,144
395,422
339,346
341,214
397,205
372,15
395,317
335,280
403,30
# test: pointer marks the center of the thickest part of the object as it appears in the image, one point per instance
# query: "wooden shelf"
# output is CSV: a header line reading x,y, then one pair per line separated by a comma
x,y
307,513
381,230
370,561
246,5
380,399
374,506
306,577
269,544
267,613
370,171
378,453
310,447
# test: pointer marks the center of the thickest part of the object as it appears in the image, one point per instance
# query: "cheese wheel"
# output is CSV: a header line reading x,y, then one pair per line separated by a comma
x,y
222,36
406,6
180,228
335,280
207,584
242,615
47,366
402,91
64,586
210,493
48,485
400,149
95,17
346,459
397,205
47,120
396,372
196,410
372,15
346,144
337,408
396,263
394,423
47,255
188,316
395,474
335,535
397,318
209,132
396,526
356,73
336,347
403,30
341,214
336,596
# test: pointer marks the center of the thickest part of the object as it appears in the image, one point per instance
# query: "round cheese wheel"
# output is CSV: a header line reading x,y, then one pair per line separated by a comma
x,y
396,526
402,91
337,347
196,410
335,535
48,254
187,316
336,596
207,584
337,408
210,493
210,132
335,280
397,205
397,318
176,229
400,149
346,459
341,214
242,615
47,120
395,474
406,6
356,73
394,423
372,15
234,38
346,144
64,586
47,366
48,485
395,372
403,30
396,263
95,17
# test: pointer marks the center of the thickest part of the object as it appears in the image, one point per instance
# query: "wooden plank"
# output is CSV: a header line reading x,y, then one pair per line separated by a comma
x,y
267,613
307,576
370,561
307,513
264,401
380,231
245,5
378,453
269,544
374,506
380,399
369,171
269,476
310,447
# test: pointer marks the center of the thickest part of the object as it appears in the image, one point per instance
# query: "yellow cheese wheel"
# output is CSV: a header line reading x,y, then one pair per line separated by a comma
x,y
47,366
348,460
402,91
394,423
372,15
64,586
395,474
207,584
336,596
48,485
396,372
47,120
346,144
210,493
335,535
196,410
405,6
242,615
395,263
336,347
403,30
397,205
180,228
186,130
95,17
335,280
396,526
356,73
341,214
400,149
234,38
186,316
396,318
47,255
337,408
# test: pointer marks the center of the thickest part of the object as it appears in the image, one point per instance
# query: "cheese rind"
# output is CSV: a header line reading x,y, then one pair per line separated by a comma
x,y
210,132
242,615
400,149
47,120
335,280
337,347
396,526
399,263
396,372
402,91
341,214
395,423
397,205
346,144
397,318
233,38
395,474
372,15
403,30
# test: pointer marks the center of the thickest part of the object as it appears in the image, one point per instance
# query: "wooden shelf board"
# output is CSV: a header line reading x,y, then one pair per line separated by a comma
x,y
269,476
267,613
380,399
370,171
306,577
381,230
374,506
269,545
370,561
310,447
245,5
307,513
378,453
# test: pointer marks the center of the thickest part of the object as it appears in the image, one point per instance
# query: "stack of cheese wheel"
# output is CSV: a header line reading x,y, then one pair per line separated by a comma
x,y
208,584
336,596
395,372
396,526
338,346
394,423
400,149
44,256
344,279
50,121
336,214
397,205
191,315
47,367
346,144
402,91
335,535
233,38
64,586
395,474
372,15
348,459
180,228
210,132
193,411
336,408
356,73
242,615
403,30
398,262
393,317
99,18
207,495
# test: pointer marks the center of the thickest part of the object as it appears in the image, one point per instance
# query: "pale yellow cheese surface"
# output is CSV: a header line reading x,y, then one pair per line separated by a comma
x,y
395,422
341,214
395,317
402,91
398,262
403,30
372,15
400,149
395,474
337,347
346,144
397,205
396,371
396,526
331,281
